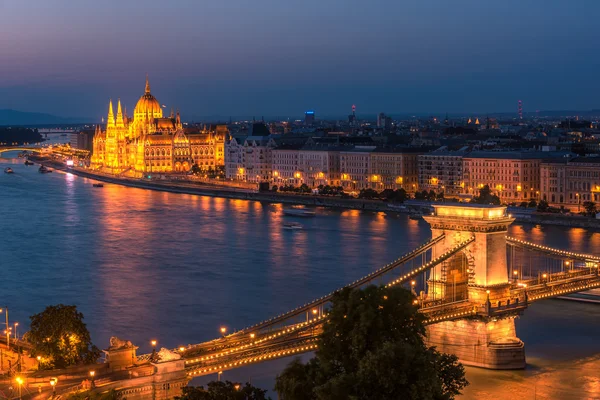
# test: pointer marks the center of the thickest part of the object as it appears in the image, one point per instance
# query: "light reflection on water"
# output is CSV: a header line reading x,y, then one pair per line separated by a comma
x,y
143,265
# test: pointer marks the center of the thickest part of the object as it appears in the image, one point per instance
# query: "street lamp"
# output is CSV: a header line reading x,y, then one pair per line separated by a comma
x,y
223,330
19,381
16,336
219,376
516,274
153,343
53,382
237,386
92,375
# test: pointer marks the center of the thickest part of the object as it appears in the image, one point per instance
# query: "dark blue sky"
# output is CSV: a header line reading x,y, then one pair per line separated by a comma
x,y
281,57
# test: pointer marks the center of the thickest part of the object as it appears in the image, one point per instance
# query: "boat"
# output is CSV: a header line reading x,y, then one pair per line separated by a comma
x,y
27,162
44,170
292,226
299,212
98,185
8,170
416,216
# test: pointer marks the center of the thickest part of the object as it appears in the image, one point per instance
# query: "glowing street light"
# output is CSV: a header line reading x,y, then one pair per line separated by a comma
x,y
19,381
181,349
53,382
223,330
237,386
92,375
219,376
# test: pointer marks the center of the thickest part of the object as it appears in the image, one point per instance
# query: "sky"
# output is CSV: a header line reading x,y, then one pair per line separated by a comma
x,y
221,58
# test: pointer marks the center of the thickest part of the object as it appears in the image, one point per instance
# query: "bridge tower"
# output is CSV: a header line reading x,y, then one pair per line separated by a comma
x,y
477,276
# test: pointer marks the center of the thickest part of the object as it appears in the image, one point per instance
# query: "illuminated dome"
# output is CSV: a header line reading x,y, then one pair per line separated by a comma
x,y
147,104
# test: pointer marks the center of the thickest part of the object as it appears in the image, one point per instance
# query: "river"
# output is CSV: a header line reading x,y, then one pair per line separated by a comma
x,y
146,265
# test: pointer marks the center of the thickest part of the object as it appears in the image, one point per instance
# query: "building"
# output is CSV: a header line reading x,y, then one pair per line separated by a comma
x,y
569,183
442,171
371,167
249,158
309,118
84,139
512,176
148,142
306,163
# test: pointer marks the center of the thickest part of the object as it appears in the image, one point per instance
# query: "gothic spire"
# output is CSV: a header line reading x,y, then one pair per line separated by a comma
x,y
119,114
147,85
111,116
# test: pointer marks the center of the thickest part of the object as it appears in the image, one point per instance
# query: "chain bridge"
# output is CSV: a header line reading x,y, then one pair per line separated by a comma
x,y
470,280
470,277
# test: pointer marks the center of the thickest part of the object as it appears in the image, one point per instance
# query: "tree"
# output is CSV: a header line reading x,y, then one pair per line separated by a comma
x,y
486,197
59,335
196,169
372,347
542,206
590,208
532,203
223,391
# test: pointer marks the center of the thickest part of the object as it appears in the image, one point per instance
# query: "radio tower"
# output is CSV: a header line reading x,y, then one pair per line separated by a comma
x,y
520,109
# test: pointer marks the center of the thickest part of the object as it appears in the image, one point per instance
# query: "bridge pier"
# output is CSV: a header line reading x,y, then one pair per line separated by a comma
x,y
486,344
477,276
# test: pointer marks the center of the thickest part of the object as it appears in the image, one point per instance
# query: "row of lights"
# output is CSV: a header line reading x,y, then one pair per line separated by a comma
x,y
451,316
565,291
430,263
254,343
563,252
367,277
283,353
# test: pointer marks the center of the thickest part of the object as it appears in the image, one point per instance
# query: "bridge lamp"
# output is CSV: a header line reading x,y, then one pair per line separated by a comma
x,y
314,311
223,330
567,263
252,335
544,276
181,349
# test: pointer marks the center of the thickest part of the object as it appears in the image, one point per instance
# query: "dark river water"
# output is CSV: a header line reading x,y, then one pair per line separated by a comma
x,y
146,265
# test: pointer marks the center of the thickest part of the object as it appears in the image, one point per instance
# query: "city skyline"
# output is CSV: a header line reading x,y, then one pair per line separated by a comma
x,y
216,59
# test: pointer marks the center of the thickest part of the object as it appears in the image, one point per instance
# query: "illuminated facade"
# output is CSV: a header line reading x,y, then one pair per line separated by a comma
x,y
569,183
513,176
149,142
370,167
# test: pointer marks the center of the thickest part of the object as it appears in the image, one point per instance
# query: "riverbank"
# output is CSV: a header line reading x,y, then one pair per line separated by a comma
x,y
203,189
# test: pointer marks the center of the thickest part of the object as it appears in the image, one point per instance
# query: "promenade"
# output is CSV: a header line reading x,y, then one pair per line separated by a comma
x,y
206,189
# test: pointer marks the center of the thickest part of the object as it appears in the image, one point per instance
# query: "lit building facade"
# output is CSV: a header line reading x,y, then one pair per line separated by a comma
x,y
442,171
249,158
569,183
512,176
149,142
312,165
369,167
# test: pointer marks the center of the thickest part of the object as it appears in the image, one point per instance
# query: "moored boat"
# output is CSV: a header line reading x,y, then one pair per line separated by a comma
x,y
299,212
98,185
44,170
8,170
292,226
416,216
27,162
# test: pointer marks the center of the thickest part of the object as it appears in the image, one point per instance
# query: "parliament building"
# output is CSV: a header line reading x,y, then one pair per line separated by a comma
x,y
152,143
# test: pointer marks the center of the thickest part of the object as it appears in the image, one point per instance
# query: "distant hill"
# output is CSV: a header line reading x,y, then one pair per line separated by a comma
x,y
14,117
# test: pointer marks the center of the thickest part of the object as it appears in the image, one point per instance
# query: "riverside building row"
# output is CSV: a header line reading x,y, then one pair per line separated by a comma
x,y
560,178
